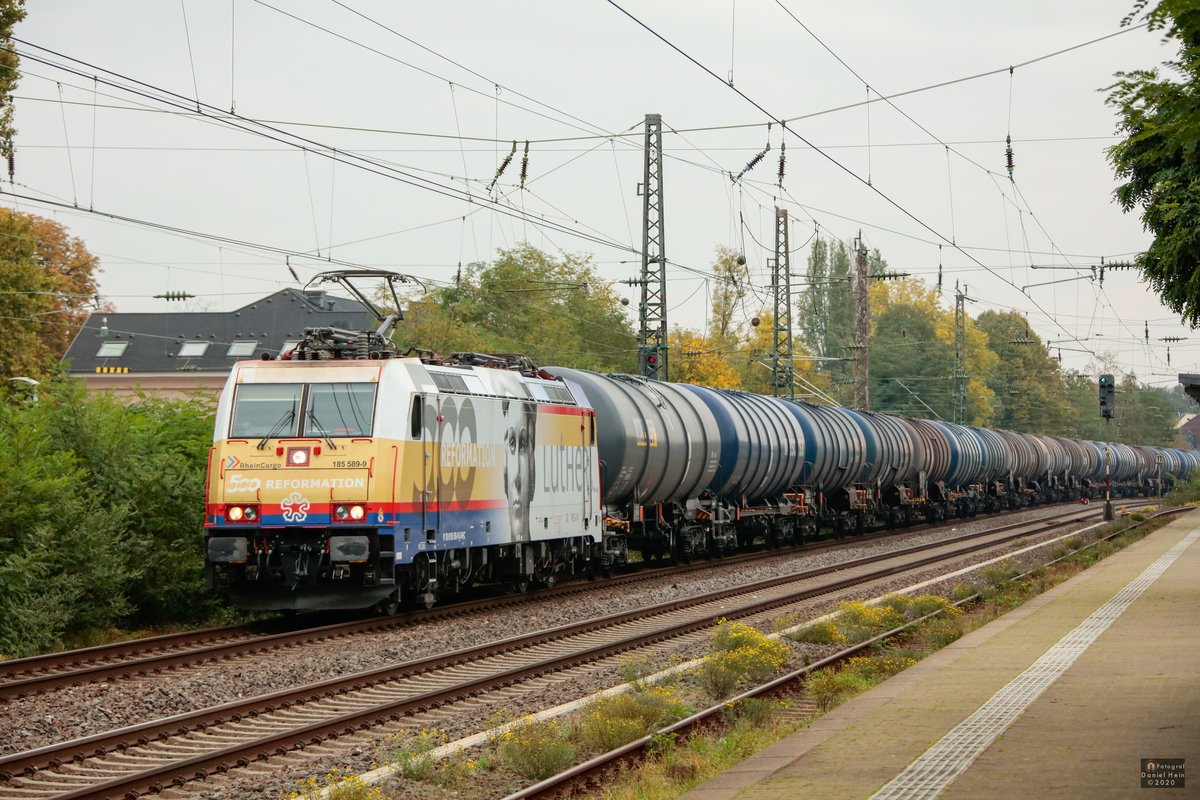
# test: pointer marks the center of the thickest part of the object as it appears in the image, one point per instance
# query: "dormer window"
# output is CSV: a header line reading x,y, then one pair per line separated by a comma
x,y
112,350
242,348
192,349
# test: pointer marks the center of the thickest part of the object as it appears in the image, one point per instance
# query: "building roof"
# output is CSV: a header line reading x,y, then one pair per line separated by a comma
x,y
1191,385
207,341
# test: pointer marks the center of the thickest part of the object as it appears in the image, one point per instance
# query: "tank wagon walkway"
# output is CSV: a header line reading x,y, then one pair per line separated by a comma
x,y
1019,708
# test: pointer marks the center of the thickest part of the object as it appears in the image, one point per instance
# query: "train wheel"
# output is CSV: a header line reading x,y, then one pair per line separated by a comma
x,y
388,606
521,585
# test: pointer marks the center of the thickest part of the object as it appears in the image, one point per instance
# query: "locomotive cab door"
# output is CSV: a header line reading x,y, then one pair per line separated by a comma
x,y
430,432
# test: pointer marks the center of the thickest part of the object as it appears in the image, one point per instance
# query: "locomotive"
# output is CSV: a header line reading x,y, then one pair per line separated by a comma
x,y
344,475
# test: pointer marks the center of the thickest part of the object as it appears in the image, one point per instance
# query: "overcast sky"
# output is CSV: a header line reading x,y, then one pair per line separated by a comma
x,y
403,124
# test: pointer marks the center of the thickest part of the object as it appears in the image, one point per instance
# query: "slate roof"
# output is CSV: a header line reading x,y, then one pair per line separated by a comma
x,y
172,341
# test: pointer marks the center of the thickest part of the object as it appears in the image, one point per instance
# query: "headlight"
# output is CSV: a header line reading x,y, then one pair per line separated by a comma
x,y
346,512
298,456
243,514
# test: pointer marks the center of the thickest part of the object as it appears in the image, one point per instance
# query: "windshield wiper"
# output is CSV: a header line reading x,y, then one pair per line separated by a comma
x,y
284,419
312,416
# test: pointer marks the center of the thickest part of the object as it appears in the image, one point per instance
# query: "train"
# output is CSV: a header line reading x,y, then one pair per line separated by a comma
x,y
347,476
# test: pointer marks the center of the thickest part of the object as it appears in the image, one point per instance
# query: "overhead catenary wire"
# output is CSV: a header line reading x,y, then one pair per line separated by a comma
x,y
816,149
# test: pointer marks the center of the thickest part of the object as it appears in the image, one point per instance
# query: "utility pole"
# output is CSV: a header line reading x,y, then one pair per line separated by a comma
x,y
652,313
782,363
960,353
862,329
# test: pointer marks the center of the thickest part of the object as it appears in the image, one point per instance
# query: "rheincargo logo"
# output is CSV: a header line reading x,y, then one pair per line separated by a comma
x,y
315,483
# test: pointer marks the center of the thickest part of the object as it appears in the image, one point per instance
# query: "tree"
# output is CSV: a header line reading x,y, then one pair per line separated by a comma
x,y
101,508
1158,161
1027,382
48,280
729,289
11,12
826,310
753,363
556,311
694,359
887,350
910,366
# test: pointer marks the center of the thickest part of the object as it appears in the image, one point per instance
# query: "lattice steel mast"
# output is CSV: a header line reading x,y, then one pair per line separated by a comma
x,y
862,329
960,354
652,336
782,363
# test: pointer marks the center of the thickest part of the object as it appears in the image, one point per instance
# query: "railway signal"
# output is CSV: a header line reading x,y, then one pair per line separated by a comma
x,y
1108,396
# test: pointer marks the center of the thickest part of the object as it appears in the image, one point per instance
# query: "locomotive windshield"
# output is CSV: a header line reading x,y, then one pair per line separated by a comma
x,y
339,409
278,410
266,409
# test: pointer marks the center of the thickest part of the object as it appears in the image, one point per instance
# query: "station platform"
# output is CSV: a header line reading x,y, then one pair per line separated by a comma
x,y
1063,697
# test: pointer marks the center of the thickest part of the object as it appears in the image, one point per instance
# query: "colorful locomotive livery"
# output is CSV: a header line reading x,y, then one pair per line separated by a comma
x,y
345,477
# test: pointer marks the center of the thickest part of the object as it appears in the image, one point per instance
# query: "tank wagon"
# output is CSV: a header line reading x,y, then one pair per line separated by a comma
x,y
344,476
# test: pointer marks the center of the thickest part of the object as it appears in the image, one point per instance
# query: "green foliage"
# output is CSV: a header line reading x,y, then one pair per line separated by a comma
x,y
1157,161
1000,573
46,278
823,632
101,508
536,750
858,621
825,309
964,590
411,754
754,711
556,311
877,668
830,686
609,722
910,364
1030,395
740,652
335,786
11,12
938,632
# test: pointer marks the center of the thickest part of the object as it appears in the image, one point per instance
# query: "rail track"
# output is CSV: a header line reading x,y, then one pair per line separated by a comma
x,y
20,678
189,747
586,776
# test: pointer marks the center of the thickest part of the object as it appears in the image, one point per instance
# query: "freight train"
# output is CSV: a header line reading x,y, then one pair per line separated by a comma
x,y
344,476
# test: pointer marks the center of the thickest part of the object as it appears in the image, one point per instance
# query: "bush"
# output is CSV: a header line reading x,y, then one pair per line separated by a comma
x,y
928,603
610,722
411,754
939,632
859,621
828,687
877,668
823,632
740,652
101,514
1000,573
334,786
536,750
754,711
964,590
